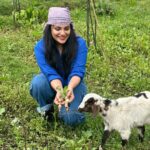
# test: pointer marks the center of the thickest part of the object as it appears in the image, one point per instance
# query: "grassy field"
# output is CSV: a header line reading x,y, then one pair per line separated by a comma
x,y
119,67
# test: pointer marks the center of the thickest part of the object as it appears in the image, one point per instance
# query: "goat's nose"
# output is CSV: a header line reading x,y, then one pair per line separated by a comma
x,y
80,109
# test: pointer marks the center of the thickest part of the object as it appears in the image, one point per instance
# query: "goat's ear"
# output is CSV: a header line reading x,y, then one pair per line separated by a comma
x,y
107,102
91,101
95,110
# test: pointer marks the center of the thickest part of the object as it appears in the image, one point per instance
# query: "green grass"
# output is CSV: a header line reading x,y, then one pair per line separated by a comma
x,y
119,67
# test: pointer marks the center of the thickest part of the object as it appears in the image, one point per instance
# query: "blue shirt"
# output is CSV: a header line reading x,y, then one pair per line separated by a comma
x,y
77,66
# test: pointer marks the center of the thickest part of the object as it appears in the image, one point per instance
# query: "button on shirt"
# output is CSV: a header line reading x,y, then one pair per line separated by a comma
x,y
77,66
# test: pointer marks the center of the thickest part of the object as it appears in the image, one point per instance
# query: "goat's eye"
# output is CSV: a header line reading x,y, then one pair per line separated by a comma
x,y
100,110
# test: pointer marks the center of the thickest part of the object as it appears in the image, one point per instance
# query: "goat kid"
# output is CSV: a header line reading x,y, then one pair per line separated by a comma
x,y
121,114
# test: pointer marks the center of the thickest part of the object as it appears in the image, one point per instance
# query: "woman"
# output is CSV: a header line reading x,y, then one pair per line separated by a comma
x,y
61,56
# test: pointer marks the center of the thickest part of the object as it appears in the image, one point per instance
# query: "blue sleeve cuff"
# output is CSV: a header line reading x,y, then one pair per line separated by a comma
x,y
53,77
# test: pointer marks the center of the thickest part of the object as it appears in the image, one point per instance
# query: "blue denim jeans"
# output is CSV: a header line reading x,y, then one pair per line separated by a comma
x,y
41,90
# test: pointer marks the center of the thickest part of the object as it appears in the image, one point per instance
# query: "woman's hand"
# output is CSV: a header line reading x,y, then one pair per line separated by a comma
x,y
70,94
58,99
74,82
61,100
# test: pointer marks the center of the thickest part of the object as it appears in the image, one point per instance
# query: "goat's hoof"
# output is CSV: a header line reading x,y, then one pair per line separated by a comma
x,y
141,139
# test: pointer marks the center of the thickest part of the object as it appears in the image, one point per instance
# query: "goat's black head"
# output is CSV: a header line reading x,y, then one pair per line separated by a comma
x,y
90,103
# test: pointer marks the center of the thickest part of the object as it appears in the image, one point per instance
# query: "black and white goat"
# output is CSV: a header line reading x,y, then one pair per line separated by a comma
x,y
121,114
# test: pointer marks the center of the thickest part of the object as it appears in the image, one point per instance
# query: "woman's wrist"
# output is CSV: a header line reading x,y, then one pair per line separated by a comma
x,y
56,85
70,88
58,89
74,81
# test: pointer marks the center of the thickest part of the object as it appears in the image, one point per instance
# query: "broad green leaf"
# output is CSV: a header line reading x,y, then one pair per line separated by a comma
x,y
2,110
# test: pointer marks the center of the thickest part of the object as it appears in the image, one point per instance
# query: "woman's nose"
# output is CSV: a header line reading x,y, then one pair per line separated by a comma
x,y
62,32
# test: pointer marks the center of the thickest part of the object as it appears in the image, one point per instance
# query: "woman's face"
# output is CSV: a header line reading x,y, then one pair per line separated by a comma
x,y
60,33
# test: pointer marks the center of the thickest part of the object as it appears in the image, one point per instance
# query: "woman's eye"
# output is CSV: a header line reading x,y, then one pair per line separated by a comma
x,y
57,29
66,29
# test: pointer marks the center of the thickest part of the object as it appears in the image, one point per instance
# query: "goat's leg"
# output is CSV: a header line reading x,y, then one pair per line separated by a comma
x,y
141,130
105,136
124,142
125,134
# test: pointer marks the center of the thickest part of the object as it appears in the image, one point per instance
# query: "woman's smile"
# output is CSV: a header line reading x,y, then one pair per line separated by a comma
x,y
60,33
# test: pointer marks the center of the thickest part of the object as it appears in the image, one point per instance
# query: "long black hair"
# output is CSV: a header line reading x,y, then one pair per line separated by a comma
x,y
69,49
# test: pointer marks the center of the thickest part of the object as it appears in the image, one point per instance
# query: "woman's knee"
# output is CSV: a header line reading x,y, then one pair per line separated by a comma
x,y
81,88
79,93
39,84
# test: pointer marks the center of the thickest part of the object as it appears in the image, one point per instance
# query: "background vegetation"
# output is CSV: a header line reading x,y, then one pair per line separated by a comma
x,y
118,67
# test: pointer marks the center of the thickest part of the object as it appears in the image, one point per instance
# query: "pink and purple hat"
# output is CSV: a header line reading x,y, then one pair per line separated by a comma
x,y
59,16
